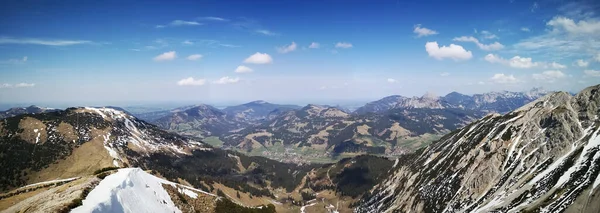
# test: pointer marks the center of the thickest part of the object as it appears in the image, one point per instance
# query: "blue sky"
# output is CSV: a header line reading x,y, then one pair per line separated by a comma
x,y
291,51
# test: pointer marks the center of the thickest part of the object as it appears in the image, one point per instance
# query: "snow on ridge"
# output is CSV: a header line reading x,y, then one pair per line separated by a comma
x,y
132,190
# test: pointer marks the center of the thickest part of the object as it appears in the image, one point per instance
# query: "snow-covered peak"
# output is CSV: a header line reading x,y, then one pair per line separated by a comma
x,y
133,190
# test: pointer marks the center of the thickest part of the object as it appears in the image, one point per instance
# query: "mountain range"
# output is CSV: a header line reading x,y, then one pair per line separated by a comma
x,y
23,110
541,157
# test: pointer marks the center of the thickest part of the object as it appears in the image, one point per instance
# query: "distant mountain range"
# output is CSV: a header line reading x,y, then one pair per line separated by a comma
x,y
500,102
23,110
392,125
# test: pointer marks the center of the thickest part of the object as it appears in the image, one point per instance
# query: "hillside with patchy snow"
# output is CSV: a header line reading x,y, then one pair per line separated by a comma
x,y
544,156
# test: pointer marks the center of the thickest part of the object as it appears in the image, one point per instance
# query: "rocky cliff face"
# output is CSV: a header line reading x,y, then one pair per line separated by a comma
x,y
543,156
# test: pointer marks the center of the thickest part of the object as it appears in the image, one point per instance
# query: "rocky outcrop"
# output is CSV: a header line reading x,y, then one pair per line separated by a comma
x,y
543,156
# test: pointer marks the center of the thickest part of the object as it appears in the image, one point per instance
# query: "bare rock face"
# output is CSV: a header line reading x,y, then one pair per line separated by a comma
x,y
543,156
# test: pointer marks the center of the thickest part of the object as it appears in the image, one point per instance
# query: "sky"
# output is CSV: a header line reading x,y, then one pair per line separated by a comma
x,y
288,51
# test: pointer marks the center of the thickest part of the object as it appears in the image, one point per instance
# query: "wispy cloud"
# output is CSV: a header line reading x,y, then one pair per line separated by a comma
x,y
592,73
226,80
525,29
179,23
209,43
191,82
422,31
344,45
19,85
194,57
455,52
564,38
37,41
521,62
15,61
488,35
213,18
314,45
266,32
167,56
501,78
288,48
549,76
445,74
252,26
391,80
487,47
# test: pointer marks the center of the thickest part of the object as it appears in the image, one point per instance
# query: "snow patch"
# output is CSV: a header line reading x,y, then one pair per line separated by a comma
x,y
129,190
396,163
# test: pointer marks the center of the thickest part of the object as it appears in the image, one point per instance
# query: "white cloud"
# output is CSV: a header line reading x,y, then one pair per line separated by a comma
x,y
259,58
493,58
15,61
213,18
191,82
501,78
267,32
179,23
445,74
521,62
243,69
564,38
594,73
314,45
194,57
488,35
391,80
344,45
422,31
555,65
550,75
582,63
288,48
570,26
24,85
8,40
488,47
19,85
187,42
226,80
455,52
184,23
597,58
168,56
481,83
525,29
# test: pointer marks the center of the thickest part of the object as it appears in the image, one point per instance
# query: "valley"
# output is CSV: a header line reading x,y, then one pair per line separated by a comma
x,y
390,127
